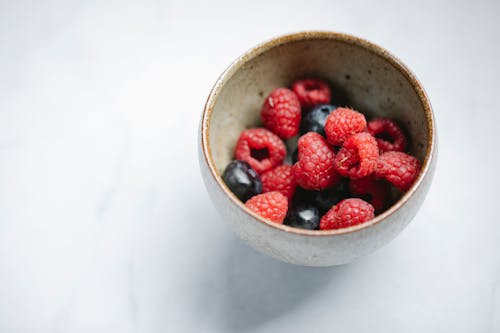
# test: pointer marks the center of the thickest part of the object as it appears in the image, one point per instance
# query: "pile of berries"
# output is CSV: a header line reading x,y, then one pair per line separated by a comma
x,y
345,169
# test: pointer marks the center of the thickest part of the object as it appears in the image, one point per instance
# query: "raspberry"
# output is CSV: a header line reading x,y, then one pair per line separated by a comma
x,y
374,191
311,92
347,213
279,179
398,168
390,137
314,169
358,156
342,123
281,113
260,148
271,205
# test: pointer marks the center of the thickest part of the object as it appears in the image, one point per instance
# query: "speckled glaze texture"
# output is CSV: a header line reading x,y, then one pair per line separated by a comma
x,y
369,79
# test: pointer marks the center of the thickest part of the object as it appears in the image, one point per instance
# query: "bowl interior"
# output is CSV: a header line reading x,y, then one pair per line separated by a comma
x,y
361,74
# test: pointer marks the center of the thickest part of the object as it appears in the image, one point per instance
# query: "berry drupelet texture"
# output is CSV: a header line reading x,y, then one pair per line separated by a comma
x,y
342,124
389,135
312,92
358,156
314,169
279,179
398,168
347,213
271,205
260,148
281,113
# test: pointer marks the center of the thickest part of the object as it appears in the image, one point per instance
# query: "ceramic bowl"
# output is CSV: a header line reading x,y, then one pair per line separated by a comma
x,y
369,79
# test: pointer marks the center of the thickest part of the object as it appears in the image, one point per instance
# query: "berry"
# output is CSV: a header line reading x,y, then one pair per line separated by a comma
x,y
323,200
376,192
314,120
358,156
311,92
314,170
347,213
398,168
242,180
279,179
303,216
343,123
271,205
390,137
260,148
281,113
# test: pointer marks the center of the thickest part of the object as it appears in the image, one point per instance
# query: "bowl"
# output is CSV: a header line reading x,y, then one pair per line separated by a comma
x,y
366,77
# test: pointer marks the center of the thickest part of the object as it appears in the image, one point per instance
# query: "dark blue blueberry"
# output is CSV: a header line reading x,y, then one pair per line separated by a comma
x,y
314,120
303,216
323,200
242,180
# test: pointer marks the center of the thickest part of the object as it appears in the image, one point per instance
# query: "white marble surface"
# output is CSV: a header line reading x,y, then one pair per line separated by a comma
x,y
105,225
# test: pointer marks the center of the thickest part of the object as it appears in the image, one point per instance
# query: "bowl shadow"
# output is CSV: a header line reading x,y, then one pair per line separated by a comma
x,y
257,289
240,289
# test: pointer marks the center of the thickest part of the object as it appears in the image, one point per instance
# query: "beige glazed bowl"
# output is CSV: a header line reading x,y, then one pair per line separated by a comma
x,y
371,80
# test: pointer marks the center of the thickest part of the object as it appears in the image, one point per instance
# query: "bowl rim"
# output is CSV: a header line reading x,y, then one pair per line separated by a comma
x,y
318,35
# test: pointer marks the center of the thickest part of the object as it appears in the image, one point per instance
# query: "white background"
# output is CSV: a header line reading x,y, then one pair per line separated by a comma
x,y
105,225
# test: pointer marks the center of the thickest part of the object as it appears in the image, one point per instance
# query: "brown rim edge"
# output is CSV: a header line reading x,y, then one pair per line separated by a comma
x,y
305,35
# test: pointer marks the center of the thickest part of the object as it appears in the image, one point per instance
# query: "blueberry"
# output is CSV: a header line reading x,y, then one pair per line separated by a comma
x,y
327,199
314,121
303,216
323,200
242,180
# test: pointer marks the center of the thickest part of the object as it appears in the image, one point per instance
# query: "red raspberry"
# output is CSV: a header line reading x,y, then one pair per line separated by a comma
x,y
314,169
398,168
260,148
271,205
342,123
311,92
281,113
374,191
358,156
389,135
347,213
279,179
